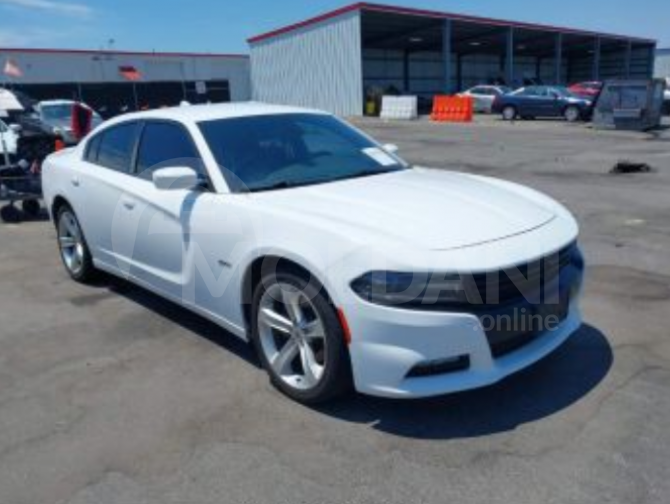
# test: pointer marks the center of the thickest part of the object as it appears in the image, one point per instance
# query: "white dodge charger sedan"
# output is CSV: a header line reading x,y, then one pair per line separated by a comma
x,y
342,264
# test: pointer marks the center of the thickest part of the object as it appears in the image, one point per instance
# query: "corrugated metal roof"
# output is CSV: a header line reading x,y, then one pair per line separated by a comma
x,y
365,6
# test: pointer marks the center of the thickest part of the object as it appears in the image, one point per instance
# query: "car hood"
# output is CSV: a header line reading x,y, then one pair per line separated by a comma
x,y
425,208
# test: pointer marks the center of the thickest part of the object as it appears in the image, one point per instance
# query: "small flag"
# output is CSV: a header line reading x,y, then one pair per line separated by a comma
x,y
130,73
12,69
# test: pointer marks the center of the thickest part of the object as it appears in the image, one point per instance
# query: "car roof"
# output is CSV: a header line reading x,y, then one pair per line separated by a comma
x,y
210,112
57,102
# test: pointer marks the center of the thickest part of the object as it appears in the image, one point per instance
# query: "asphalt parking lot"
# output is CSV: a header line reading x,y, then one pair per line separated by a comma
x,y
109,395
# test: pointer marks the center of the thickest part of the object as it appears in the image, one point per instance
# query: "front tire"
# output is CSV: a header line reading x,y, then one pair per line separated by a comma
x,y
74,251
299,339
572,114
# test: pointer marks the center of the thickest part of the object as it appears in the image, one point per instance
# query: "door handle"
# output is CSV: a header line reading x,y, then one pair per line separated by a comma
x,y
76,182
128,204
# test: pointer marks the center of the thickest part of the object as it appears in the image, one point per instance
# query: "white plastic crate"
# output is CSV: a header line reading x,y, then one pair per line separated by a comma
x,y
400,107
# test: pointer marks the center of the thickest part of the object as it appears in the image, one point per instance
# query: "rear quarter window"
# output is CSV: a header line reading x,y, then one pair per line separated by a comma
x,y
92,147
117,147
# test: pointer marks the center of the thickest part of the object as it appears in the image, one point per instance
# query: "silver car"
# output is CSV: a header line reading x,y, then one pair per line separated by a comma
x,y
484,96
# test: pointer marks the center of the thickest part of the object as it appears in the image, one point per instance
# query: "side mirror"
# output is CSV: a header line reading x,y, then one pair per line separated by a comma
x,y
174,179
16,128
392,148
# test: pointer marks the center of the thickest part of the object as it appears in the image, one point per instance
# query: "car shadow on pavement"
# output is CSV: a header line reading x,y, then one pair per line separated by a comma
x,y
548,387
181,317
545,389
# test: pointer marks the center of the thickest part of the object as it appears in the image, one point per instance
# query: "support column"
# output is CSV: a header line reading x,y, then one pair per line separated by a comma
x,y
596,59
509,60
447,33
405,71
558,60
629,59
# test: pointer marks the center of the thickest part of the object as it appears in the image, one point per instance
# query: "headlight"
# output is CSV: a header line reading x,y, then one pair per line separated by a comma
x,y
393,288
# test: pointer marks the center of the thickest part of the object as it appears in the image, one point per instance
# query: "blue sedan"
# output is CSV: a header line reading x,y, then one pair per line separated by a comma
x,y
543,101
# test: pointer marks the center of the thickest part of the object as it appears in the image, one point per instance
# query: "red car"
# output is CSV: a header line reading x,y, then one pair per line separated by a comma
x,y
588,90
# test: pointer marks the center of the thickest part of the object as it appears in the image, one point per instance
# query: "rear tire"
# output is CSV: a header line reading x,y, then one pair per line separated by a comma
x,y
299,339
509,113
74,251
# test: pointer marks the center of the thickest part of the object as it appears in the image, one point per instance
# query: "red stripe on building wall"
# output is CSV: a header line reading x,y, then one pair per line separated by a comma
x,y
31,50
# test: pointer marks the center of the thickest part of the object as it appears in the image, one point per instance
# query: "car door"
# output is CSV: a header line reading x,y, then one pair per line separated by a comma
x,y
556,103
97,188
544,103
522,100
167,224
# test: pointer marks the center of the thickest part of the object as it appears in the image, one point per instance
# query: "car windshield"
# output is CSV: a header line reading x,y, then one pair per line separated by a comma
x,y
57,113
260,153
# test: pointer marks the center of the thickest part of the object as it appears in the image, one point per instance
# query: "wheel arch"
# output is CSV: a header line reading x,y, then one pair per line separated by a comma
x,y
56,205
272,262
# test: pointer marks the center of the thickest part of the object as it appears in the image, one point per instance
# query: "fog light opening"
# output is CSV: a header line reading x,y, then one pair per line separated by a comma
x,y
440,367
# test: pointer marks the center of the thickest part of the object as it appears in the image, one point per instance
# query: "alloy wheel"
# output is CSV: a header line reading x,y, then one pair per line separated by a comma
x,y
71,243
292,336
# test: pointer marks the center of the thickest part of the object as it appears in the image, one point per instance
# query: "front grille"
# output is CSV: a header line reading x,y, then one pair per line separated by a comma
x,y
525,281
512,328
524,298
492,290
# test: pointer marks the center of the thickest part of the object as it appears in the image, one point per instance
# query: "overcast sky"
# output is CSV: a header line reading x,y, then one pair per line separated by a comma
x,y
223,25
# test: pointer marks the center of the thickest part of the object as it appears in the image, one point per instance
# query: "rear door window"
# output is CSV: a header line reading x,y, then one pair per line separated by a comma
x,y
166,145
529,91
117,147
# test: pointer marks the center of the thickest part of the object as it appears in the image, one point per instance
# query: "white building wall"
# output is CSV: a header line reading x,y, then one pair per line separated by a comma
x,y
57,67
662,67
318,66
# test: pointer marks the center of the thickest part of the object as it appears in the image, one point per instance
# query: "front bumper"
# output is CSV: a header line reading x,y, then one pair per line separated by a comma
x,y
396,341
390,344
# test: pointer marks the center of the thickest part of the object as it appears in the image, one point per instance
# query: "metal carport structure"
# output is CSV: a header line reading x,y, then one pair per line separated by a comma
x,y
330,61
